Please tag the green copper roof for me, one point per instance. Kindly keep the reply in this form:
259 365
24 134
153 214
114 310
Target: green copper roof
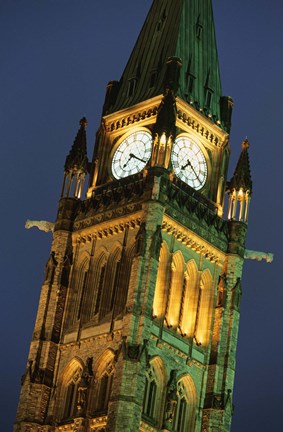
173 28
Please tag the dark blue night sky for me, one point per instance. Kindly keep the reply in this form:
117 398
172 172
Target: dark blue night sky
56 59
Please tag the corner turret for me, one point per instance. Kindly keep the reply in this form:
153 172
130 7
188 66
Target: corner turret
76 165
240 187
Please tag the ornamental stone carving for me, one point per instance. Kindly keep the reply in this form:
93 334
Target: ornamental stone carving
41 225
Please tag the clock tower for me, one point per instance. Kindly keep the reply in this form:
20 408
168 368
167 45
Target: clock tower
138 316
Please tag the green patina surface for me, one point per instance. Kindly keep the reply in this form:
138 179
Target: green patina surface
183 29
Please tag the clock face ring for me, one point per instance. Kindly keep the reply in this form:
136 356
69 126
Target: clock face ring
189 162
132 154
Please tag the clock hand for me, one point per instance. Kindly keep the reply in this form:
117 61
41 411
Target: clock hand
130 157
136 157
195 172
192 168
187 164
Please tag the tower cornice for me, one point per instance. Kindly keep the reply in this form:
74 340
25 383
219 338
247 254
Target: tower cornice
141 114
192 240
189 117
103 229
145 113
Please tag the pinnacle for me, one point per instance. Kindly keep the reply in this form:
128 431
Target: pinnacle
77 160
245 144
242 175
84 122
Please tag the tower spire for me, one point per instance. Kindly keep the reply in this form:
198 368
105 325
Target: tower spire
76 165
192 39
77 158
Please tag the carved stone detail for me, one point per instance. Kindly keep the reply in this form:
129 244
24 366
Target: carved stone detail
109 231
192 242
156 243
171 400
50 268
129 193
41 225
133 351
201 122
198 127
259 256
141 241
193 210
134 118
84 386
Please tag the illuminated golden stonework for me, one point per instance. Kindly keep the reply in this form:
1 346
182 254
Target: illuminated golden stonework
138 315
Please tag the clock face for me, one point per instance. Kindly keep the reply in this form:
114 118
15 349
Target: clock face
132 154
189 162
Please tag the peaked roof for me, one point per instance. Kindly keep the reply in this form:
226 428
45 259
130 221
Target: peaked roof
242 175
77 160
174 28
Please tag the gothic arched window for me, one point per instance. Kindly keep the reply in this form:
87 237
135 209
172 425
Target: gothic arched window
96 285
71 397
124 273
189 300
150 394
184 415
69 390
205 308
99 289
161 288
77 288
110 284
102 385
181 413
176 290
154 391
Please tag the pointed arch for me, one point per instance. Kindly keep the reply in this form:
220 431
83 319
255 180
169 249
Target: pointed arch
70 380
190 299
74 365
83 258
184 416
112 273
176 289
123 279
204 317
116 248
77 287
104 369
95 284
154 392
161 288
99 365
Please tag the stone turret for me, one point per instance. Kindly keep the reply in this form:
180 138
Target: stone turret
76 165
240 187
